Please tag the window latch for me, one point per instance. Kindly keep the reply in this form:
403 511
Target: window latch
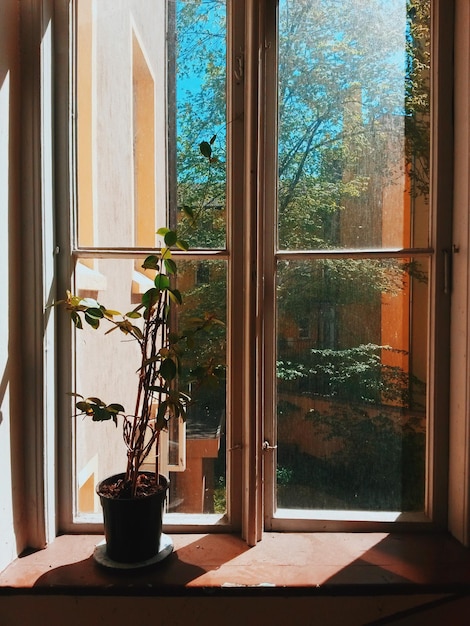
268 446
239 69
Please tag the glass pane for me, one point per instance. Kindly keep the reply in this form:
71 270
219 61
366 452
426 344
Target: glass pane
121 130
107 365
131 114
201 120
353 152
351 384
150 150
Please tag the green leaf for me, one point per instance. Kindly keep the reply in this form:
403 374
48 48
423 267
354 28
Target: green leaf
161 421
115 408
170 266
213 138
170 238
124 326
162 282
166 253
101 414
76 319
110 312
151 263
83 406
94 322
149 298
176 296
137 332
96 313
205 149
133 315
163 231
96 401
182 245
168 369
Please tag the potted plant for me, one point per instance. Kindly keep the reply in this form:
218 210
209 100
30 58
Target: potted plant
133 500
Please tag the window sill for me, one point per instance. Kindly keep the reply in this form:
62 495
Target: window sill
303 563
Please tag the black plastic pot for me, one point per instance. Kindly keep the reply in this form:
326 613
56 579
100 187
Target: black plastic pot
133 526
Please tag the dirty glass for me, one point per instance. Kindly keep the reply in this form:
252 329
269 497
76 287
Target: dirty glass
353 186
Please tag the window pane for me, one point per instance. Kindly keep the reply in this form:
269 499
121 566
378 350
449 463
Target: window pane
106 367
351 384
150 151
121 127
123 97
201 120
353 124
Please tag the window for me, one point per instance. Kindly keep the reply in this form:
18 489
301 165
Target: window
319 232
353 255
124 192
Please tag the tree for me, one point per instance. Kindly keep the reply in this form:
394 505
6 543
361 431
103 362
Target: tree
353 107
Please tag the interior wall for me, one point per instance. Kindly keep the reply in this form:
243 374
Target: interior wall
11 539
400 610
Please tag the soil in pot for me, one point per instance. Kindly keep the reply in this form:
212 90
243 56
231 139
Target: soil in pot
133 526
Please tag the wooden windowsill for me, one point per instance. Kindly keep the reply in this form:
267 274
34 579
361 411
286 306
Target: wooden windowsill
304 563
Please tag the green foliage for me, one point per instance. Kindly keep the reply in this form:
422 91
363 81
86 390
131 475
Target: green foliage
98 410
201 108
358 375
417 105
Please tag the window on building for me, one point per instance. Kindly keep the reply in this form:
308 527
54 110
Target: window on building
312 218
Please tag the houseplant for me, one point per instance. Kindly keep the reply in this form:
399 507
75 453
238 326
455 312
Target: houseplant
161 395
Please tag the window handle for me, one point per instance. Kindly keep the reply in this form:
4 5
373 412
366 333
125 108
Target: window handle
268 446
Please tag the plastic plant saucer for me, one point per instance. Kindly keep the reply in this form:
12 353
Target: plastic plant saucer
100 556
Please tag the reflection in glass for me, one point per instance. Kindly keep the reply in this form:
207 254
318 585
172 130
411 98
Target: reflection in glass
351 384
353 143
